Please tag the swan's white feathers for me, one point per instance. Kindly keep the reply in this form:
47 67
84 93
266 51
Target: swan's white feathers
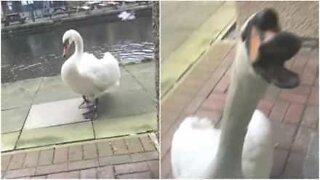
195 144
193 139
257 156
104 73
195 122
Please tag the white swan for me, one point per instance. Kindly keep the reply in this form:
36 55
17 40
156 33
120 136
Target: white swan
87 75
236 151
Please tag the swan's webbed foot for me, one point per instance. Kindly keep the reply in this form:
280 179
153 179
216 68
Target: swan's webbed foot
92 112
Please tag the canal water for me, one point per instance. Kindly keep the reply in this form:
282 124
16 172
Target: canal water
40 54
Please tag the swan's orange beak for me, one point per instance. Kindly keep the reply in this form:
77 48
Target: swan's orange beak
66 47
65 51
255 42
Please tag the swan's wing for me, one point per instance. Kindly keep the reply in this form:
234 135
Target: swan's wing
257 156
193 148
103 73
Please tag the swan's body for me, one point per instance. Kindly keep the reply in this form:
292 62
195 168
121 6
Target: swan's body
243 148
202 140
87 75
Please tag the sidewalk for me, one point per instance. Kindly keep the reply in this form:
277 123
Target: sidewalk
183 43
122 158
294 113
43 113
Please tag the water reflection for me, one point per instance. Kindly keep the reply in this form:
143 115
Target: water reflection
39 54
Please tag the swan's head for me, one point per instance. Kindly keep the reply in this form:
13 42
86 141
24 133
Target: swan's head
68 38
268 48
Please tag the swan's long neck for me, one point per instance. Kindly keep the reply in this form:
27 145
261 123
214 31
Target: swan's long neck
78 44
245 90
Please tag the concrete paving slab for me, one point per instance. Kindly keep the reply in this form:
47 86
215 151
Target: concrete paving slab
8 141
126 100
54 113
19 93
127 82
124 103
53 89
54 135
125 125
145 74
13 119
148 83
188 53
174 15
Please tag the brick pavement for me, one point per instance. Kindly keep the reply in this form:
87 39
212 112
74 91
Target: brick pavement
124 157
294 112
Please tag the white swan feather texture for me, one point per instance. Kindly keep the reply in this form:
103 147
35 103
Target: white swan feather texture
87 75
195 144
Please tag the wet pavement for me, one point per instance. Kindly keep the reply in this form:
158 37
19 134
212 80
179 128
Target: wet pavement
44 111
